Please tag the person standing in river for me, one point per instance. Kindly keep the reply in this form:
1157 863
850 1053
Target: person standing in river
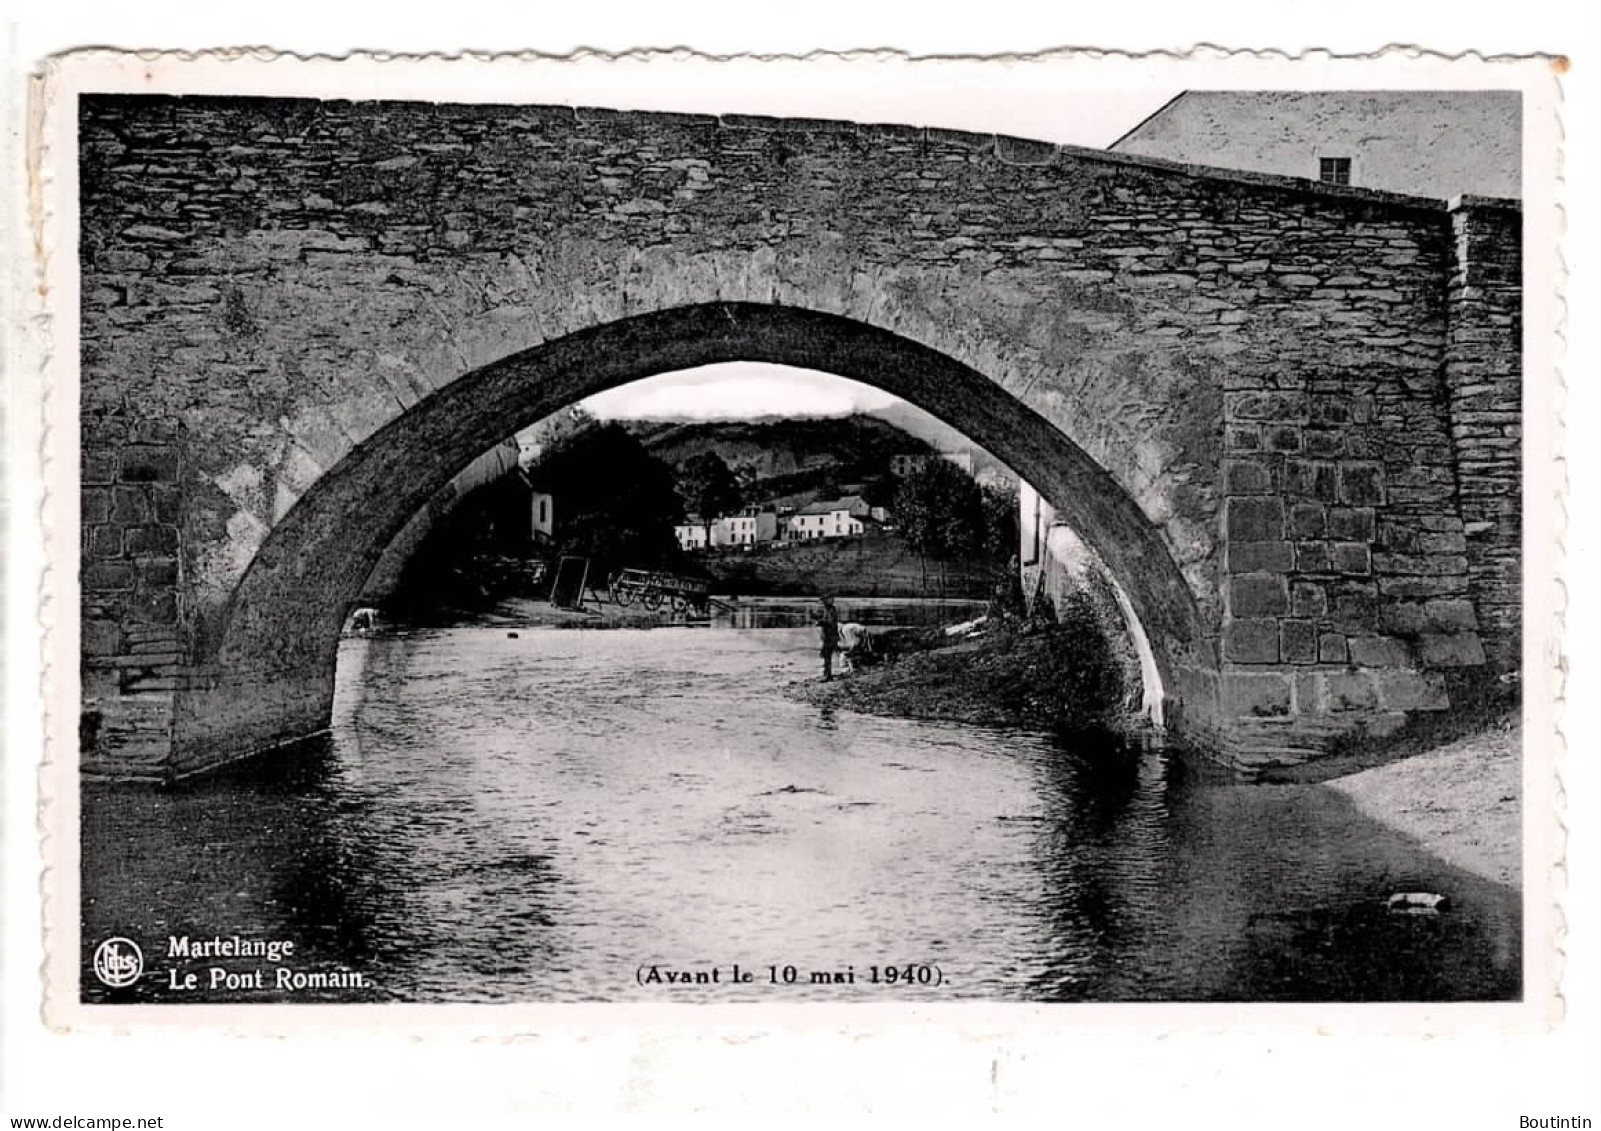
828 629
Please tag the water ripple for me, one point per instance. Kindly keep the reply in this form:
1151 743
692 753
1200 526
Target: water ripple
533 818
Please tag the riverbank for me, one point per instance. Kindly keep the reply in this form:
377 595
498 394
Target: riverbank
1002 678
1460 801
1458 796
530 613
876 565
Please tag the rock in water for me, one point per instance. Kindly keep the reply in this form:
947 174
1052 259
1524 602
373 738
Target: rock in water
1416 901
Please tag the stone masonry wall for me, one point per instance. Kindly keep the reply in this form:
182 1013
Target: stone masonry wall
1484 378
319 301
131 508
1347 589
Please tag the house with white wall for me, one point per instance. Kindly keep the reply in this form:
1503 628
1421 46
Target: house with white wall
542 507
830 518
1437 143
752 526
691 533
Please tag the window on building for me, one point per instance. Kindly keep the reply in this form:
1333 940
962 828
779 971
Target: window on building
1334 170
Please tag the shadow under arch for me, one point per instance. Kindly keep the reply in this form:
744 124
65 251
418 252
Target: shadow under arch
284 616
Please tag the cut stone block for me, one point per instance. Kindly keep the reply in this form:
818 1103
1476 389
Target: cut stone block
1258 595
1457 650
1361 484
1255 519
1351 558
1247 477
1298 642
1355 524
1378 652
1308 520
1255 557
1260 695
1349 692
1412 691
1251 641
1308 599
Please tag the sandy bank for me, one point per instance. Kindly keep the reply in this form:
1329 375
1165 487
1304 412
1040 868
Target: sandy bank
1461 801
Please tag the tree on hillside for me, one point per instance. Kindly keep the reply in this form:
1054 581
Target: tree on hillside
551 432
1001 532
707 487
879 490
828 485
617 503
940 513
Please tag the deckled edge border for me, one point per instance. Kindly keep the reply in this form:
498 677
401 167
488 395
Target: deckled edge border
42 342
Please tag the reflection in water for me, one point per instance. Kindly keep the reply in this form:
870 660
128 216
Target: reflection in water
533 819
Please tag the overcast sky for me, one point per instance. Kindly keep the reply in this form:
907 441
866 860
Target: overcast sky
745 389
738 389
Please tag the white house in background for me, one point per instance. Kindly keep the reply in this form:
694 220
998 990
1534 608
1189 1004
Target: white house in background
1438 143
830 518
750 527
542 506
691 533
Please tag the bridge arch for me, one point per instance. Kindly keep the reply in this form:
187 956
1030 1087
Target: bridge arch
1271 405
291 601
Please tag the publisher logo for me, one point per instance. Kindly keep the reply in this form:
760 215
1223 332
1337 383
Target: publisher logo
118 962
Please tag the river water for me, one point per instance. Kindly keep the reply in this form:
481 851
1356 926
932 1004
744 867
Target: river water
546 815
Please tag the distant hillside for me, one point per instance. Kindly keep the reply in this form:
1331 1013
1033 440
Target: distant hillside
784 455
938 435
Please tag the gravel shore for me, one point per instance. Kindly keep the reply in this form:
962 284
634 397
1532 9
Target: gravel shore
1461 801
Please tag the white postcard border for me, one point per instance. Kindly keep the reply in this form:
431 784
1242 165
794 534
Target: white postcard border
637 85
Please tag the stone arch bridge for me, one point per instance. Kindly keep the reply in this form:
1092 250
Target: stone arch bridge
1284 414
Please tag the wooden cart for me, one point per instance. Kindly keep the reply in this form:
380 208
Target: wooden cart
655 588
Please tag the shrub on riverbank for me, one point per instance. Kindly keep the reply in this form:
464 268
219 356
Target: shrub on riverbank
1062 677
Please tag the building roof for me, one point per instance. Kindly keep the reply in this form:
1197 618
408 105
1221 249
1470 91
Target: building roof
1154 114
829 506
